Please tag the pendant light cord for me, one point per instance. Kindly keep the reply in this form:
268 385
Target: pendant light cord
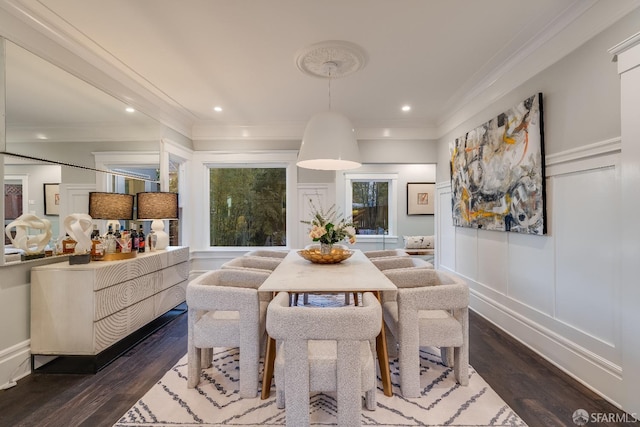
329 90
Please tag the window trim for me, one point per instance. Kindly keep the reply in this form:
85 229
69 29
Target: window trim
392 179
283 159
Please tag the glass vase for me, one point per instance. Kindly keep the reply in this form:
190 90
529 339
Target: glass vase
325 248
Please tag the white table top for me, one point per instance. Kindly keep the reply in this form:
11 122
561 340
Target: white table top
355 274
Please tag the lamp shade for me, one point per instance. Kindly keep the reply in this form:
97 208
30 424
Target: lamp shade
157 205
110 205
329 143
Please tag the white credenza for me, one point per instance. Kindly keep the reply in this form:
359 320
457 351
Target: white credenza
86 309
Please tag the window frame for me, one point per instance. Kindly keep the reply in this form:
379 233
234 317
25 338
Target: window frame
392 180
285 160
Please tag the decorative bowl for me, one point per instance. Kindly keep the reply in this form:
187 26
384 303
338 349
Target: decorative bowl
336 255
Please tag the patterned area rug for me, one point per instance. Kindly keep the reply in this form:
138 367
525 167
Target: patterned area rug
215 402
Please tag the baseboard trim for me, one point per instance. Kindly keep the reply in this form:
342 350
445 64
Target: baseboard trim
14 363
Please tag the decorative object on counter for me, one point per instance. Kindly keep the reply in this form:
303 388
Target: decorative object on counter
32 245
157 206
315 254
79 227
328 229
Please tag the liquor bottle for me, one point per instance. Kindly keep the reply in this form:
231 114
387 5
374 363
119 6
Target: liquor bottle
68 245
125 241
135 244
117 236
95 233
110 241
97 247
141 240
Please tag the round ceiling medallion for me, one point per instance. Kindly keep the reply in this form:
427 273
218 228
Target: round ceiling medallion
333 58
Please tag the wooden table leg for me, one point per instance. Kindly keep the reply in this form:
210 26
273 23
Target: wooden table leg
267 372
383 356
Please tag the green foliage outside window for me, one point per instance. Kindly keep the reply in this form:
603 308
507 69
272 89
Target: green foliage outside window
247 206
370 206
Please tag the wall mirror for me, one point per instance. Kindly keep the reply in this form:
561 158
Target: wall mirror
55 123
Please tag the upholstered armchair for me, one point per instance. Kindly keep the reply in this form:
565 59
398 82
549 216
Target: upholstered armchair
321 350
268 253
225 310
252 263
386 253
390 263
430 309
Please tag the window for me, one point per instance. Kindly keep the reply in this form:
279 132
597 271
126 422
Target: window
372 198
247 206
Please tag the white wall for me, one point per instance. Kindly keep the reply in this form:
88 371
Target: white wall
560 293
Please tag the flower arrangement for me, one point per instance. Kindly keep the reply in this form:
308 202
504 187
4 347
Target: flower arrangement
327 228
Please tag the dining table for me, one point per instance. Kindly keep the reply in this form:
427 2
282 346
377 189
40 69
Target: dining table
354 274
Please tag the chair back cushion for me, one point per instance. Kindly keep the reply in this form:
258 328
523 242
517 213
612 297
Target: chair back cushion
421 277
324 323
252 262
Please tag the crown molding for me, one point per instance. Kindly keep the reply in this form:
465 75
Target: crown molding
294 131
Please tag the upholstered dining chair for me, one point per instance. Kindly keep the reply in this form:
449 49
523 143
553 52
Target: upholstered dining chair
324 350
389 263
252 263
225 310
386 253
430 309
268 253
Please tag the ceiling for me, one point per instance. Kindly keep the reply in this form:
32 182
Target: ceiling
240 55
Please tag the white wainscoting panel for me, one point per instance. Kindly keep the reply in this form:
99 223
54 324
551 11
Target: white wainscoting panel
587 258
445 231
531 271
493 258
467 252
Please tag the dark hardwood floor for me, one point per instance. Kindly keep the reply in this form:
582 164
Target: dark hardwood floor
540 393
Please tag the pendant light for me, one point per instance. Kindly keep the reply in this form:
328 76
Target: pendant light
329 141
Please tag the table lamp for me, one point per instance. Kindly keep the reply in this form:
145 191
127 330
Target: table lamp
158 206
111 206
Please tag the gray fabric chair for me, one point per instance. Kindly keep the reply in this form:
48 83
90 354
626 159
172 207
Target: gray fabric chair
386 253
430 309
389 263
225 310
252 263
323 350
267 253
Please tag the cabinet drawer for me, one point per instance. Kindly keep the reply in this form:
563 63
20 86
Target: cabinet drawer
113 328
115 298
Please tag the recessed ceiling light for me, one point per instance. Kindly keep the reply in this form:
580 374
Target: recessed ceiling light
406 108
217 109
130 110
41 136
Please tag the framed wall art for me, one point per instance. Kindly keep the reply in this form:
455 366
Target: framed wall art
420 198
497 172
51 199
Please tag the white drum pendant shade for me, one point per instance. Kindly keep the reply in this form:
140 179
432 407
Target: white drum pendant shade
329 143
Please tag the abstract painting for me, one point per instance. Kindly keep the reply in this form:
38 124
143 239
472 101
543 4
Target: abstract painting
497 172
